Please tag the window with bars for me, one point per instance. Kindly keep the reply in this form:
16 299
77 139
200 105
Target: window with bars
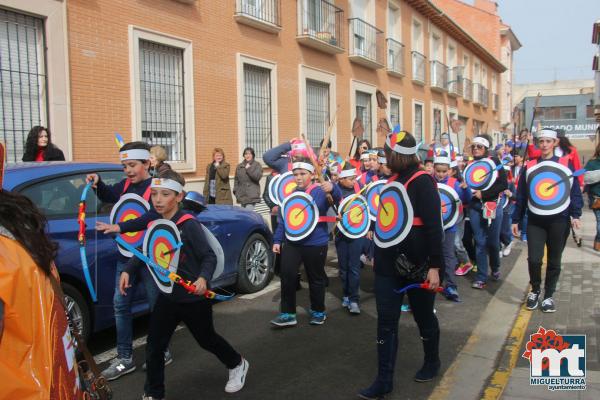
363 112
437 123
395 112
257 108
162 98
23 103
317 110
418 114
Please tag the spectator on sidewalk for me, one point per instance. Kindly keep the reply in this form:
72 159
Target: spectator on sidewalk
592 178
216 187
246 187
158 156
39 146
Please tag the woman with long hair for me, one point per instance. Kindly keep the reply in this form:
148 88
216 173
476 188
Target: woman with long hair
216 186
39 146
420 256
566 148
592 180
363 145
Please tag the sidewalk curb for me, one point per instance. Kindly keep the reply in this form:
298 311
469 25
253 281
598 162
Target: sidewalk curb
469 375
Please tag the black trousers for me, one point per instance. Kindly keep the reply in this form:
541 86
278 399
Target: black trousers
314 258
551 233
165 317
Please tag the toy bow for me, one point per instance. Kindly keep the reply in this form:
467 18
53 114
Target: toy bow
175 278
81 239
424 285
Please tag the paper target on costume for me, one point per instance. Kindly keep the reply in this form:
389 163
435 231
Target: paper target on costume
372 196
130 206
549 186
505 201
216 247
450 205
394 216
272 189
162 244
481 174
286 185
355 220
300 215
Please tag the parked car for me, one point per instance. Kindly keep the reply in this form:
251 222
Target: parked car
56 187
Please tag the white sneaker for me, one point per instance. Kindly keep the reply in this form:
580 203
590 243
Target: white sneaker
507 249
237 377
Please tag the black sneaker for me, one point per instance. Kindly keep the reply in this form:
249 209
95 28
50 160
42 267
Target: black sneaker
548 305
532 300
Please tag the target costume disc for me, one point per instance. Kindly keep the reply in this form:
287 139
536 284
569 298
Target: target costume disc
162 246
481 174
129 207
355 220
549 186
394 216
450 205
372 196
272 189
300 214
286 185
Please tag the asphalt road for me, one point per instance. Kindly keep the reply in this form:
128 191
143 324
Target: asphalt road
332 361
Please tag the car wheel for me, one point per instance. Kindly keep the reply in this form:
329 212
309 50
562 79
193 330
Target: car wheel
255 267
77 310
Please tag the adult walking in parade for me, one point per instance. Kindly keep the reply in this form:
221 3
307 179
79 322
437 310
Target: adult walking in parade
552 210
39 146
399 262
246 187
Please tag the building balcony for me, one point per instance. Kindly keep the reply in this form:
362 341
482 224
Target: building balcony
495 101
439 76
484 96
477 94
467 89
260 14
366 44
418 68
455 81
320 26
395 57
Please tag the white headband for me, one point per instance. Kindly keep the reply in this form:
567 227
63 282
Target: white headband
382 160
547 133
397 148
167 184
303 165
134 154
298 146
442 160
347 173
482 141
364 156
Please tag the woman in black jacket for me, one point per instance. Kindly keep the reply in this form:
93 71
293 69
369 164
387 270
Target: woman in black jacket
39 147
422 249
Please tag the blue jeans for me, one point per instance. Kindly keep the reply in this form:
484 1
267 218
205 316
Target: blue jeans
348 252
487 242
597 214
506 232
122 306
459 247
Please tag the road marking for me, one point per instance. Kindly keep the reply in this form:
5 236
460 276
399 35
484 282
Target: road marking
112 353
274 285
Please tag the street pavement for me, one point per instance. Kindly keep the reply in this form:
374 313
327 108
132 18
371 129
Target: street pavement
482 339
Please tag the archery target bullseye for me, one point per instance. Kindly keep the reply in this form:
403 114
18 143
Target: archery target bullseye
394 216
300 214
162 246
549 187
130 206
286 185
355 218
481 174
450 205
372 196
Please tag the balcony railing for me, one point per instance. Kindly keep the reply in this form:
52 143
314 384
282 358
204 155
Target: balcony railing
455 80
418 67
495 101
467 89
261 14
395 57
366 44
477 94
439 75
320 25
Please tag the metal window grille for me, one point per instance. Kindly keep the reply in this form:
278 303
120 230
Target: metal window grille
317 110
257 107
363 112
418 122
162 98
437 123
395 112
23 102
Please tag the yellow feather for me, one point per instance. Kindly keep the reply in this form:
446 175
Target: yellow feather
400 136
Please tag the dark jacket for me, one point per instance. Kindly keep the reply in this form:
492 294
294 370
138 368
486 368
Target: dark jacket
52 153
222 187
159 169
246 186
277 158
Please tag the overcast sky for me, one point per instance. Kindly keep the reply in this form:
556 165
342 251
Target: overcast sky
556 37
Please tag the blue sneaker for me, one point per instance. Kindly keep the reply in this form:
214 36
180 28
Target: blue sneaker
405 308
317 318
451 294
284 320
345 302
524 237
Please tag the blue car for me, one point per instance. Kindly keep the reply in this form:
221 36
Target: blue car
56 188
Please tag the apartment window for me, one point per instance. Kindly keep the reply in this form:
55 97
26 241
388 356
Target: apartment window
437 122
476 72
550 113
23 103
394 30
317 110
257 108
477 127
494 83
467 67
484 81
417 36
589 111
418 121
363 111
395 112
451 56
436 47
